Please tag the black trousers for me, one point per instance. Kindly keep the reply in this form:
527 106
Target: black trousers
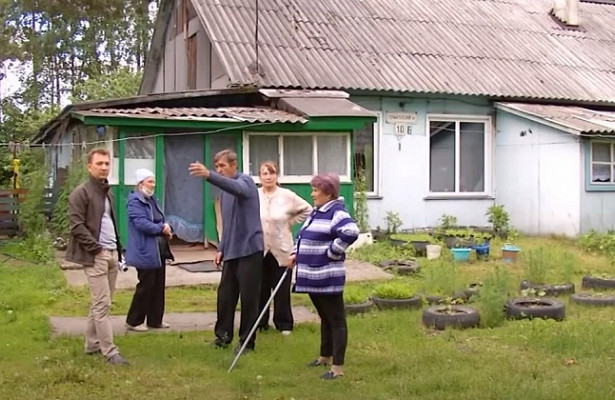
241 278
333 328
148 300
282 311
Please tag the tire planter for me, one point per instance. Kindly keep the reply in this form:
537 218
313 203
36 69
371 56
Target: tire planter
436 299
402 267
550 290
595 282
593 299
389 304
361 308
456 316
530 308
398 242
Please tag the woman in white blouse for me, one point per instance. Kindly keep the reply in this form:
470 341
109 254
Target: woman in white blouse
280 210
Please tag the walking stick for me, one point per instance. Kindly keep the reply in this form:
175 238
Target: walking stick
258 320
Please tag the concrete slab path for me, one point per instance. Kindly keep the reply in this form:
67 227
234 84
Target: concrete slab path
180 322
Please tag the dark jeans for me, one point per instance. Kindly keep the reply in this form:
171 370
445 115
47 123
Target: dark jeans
148 300
282 312
241 277
333 329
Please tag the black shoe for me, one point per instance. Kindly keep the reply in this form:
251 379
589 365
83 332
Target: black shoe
263 328
316 363
329 375
220 344
245 351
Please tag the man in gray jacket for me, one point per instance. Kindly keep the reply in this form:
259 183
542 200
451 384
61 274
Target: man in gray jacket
240 250
95 244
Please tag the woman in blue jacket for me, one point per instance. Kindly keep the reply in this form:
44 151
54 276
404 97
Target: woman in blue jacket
147 251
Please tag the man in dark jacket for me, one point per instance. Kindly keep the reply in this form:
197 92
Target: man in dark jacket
95 244
240 248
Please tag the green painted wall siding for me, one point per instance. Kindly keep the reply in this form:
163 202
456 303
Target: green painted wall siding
121 191
304 190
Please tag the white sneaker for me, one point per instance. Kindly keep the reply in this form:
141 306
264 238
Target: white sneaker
286 333
138 328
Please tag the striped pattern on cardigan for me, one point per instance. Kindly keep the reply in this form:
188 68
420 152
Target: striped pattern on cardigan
321 249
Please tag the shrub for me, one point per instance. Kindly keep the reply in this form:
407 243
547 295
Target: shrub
59 222
536 265
441 278
492 297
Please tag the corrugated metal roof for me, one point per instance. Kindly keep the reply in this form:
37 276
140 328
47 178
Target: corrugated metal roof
576 120
243 114
495 48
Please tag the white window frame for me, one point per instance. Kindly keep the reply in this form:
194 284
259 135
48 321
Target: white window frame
592 162
488 151
295 178
377 129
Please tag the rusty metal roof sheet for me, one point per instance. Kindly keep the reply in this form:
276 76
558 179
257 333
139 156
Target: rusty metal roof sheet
495 48
576 120
239 114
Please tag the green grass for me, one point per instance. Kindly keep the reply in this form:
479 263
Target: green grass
390 354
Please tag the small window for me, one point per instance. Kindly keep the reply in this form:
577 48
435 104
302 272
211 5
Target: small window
299 157
602 163
459 162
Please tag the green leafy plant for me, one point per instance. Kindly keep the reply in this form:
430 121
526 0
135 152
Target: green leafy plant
355 294
393 221
360 203
381 251
393 290
413 237
447 221
499 219
536 265
492 297
31 217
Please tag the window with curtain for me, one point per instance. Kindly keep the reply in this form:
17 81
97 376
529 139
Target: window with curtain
138 153
458 163
299 157
602 163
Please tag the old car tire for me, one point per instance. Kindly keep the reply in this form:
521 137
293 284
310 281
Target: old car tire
361 308
521 308
593 299
463 317
595 282
402 267
388 304
550 290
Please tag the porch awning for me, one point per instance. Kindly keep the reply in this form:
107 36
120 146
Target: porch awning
571 119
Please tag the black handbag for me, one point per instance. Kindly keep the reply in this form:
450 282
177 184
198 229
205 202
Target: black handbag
165 249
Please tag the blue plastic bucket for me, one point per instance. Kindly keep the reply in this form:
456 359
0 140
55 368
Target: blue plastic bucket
461 254
482 251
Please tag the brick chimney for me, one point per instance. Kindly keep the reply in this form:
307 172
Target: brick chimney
567 11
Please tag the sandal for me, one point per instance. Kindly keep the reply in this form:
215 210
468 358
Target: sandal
316 363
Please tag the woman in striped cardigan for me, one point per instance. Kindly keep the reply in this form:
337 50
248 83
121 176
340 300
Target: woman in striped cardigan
319 258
